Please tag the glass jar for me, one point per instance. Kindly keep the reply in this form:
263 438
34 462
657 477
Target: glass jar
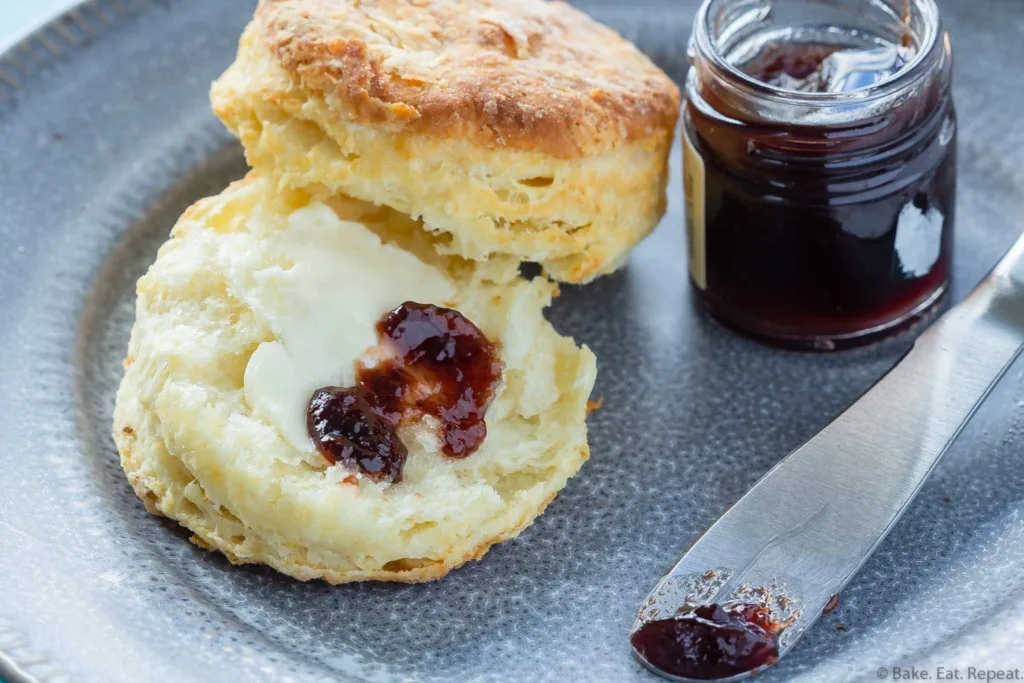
819 166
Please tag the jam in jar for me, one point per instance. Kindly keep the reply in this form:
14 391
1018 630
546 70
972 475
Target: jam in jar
819 166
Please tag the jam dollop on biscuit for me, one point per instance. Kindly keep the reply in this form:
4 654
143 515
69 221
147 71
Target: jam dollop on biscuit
436 362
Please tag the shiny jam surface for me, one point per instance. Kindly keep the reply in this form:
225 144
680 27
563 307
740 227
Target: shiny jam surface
434 362
710 641
811 67
347 426
821 237
791 65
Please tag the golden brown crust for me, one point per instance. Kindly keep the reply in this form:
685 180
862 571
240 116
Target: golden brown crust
523 74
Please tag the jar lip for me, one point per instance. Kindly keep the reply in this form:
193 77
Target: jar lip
912 72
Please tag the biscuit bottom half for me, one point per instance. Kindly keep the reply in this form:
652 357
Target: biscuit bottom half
260 295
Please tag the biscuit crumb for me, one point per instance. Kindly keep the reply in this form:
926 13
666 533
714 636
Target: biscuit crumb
350 480
595 405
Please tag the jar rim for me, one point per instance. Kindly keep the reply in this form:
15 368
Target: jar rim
912 72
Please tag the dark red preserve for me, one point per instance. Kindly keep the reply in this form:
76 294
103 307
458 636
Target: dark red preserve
434 362
710 641
820 169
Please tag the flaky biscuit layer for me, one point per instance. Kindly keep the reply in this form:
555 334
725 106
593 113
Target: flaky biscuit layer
195 451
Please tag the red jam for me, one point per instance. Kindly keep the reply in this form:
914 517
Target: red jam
347 426
821 182
710 641
806 67
832 605
436 362
785 65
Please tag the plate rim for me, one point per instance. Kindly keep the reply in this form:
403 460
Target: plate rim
58 43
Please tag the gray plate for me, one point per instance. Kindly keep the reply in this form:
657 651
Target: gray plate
106 135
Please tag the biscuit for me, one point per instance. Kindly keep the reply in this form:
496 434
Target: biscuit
207 436
519 127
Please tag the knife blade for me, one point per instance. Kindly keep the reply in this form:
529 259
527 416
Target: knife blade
801 533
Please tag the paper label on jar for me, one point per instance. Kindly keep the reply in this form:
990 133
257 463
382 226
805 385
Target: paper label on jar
693 187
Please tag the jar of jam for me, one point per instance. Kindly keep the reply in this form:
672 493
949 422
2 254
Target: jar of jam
819 166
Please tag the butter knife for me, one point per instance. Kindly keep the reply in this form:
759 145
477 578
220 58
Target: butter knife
799 535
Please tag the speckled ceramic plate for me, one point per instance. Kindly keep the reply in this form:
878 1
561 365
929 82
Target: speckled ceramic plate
106 135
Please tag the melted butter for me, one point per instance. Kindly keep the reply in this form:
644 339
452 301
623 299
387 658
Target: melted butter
322 309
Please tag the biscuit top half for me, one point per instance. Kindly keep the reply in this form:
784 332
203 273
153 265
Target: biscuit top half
525 74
